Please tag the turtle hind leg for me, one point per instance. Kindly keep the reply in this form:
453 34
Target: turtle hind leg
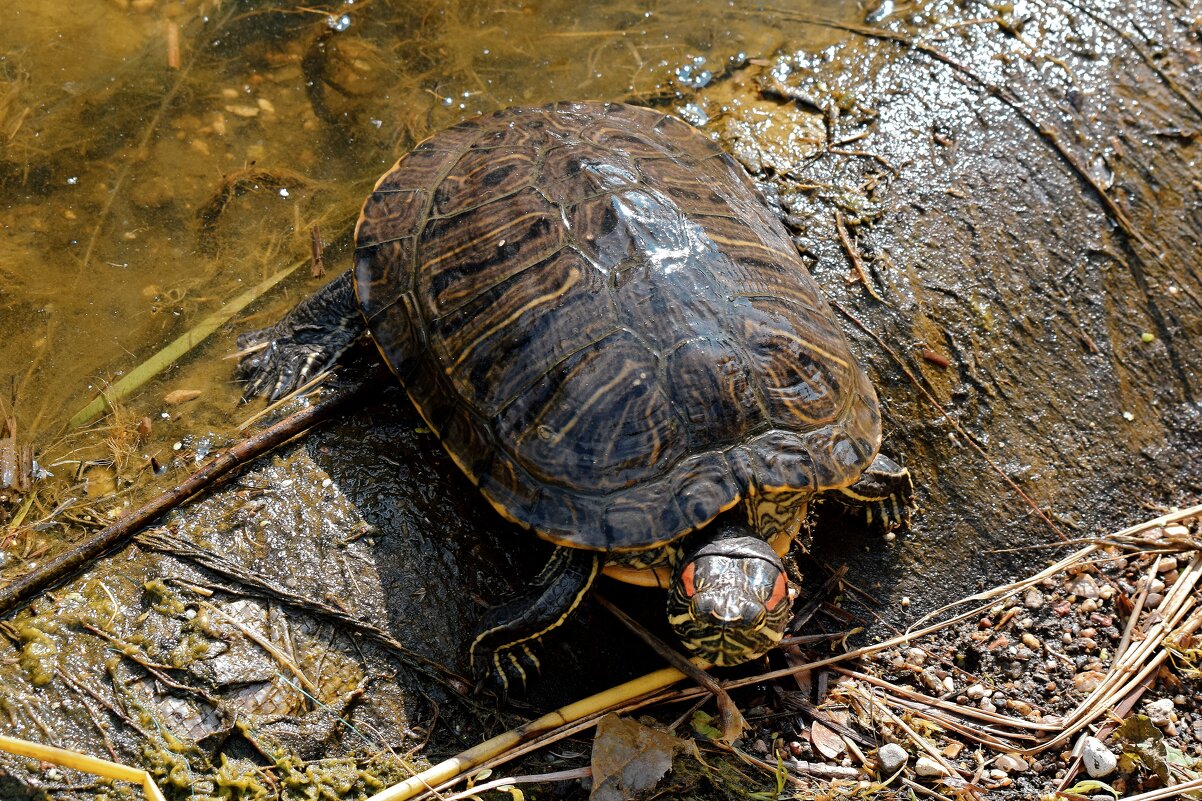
306 341
884 493
503 652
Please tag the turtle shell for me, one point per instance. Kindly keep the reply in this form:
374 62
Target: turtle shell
611 334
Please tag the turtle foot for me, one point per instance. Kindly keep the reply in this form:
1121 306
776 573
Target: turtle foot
502 654
309 339
508 669
275 364
884 494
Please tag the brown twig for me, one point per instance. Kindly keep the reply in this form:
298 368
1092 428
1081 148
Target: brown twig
61 566
853 255
317 265
733 723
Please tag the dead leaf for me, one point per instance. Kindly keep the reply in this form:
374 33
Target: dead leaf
629 758
826 741
181 396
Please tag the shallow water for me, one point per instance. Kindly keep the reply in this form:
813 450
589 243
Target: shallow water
148 183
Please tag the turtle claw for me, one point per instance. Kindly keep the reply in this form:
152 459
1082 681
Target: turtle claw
277 364
309 339
506 669
884 494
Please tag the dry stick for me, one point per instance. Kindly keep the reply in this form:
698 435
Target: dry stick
509 781
61 566
1133 623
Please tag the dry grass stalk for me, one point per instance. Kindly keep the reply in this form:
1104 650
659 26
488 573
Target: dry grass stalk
84 763
505 744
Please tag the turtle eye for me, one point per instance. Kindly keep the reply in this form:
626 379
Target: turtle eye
686 580
780 591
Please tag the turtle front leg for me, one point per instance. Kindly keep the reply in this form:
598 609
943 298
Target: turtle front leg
308 340
885 493
503 651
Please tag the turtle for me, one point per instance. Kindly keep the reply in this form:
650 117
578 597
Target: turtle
615 339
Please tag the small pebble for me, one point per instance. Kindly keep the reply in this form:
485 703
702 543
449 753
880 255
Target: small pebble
1096 757
1176 531
1085 587
1032 642
1011 763
925 766
1089 605
1033 599
1167 563
916 656
1153 600
976 692
892 758
243 111
997 775
1159 712
1088 680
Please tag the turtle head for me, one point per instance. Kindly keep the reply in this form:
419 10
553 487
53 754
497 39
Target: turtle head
729 600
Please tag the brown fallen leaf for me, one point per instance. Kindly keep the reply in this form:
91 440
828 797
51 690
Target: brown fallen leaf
826 741
630 758
179 396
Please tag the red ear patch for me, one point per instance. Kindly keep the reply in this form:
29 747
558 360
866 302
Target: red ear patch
780 592
686 580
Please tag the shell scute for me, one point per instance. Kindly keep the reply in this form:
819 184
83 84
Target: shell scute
597 420
510 335
388 215
482 177
803 372
714 391
383 272
466 254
